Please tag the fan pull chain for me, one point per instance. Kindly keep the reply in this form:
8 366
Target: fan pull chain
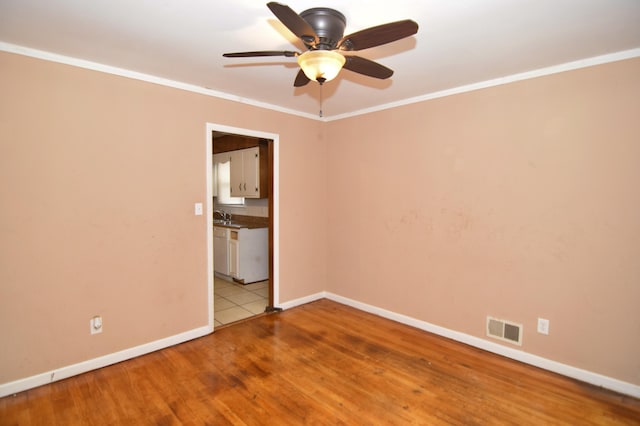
321 101
320 81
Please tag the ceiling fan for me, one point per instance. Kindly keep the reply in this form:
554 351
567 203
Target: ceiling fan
321 30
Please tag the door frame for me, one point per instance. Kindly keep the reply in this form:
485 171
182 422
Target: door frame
274 211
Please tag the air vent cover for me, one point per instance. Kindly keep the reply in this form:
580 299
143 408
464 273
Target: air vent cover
504 330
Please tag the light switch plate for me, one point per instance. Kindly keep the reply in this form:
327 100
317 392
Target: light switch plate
95 325
198 209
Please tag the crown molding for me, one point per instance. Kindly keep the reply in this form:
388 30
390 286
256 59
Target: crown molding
108 69
555 69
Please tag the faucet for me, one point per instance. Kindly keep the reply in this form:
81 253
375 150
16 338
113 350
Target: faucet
225 216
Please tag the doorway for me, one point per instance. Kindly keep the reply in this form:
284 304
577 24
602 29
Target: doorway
231 297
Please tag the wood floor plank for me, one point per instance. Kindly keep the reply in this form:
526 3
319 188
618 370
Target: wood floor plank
320 363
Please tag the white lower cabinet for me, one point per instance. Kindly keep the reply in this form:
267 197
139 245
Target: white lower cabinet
234 267
249 254
221 250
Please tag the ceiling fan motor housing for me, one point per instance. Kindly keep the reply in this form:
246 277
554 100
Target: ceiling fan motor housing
321 29
329 25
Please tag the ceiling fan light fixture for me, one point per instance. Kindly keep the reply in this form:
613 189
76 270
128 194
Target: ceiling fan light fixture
321 64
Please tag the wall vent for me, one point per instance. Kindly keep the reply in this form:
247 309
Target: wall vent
504 330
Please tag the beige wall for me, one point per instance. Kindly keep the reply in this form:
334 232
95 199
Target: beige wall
98 179
519 201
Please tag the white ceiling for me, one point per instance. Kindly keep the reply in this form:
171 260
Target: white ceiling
460 42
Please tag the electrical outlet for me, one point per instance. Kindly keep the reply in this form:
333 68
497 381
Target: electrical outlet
95 324
543 326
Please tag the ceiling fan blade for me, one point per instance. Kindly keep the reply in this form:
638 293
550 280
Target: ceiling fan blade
376 36
301 79
367 67
294 22
287 53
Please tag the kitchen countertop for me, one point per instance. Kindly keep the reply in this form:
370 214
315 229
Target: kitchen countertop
238 222
237 225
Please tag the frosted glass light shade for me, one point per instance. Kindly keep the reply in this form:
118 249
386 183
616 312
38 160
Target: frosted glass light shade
323 64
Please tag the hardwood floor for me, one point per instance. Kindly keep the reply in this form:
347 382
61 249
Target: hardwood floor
321 363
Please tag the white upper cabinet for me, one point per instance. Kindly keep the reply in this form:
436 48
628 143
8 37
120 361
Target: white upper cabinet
220 179
246 173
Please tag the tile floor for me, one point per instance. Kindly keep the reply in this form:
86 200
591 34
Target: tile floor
234 302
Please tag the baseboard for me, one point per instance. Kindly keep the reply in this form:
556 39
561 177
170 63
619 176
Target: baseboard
518 355
11 388
303 300
51 376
